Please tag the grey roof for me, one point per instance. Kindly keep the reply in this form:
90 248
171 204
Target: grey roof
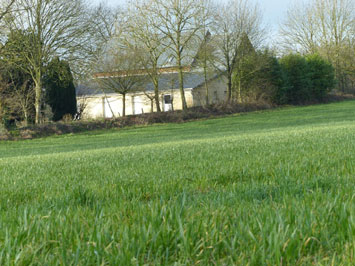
87 88
170 81
167 81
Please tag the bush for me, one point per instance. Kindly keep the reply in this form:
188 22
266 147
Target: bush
67 118
299 79
322 76
309 79
62 127
3 130
5 125
278 79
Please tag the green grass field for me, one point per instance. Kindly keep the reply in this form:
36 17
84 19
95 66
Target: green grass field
267 188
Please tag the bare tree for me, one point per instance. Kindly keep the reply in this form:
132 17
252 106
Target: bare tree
5 7
179 21
206 57
104 24
245 65
326 27
22 99
147 37
55 28
17 98
236 18
17 90
151 99
206 60
82 105
299 31
121 74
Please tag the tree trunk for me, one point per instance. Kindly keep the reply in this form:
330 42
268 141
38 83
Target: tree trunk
38 96
152 105
239 94
181 86
25 113
123 105
156 95
229 87
1 113
109 106
206 87
181 81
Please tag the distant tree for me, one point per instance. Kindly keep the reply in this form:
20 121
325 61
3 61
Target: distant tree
322 76
206 59
121 73
309 78
104 24
55 28
179 21
325 27
20 88
144 33
3 97
60 89
19 96
299 78
247 64
278 81
258 76
236 18
5 8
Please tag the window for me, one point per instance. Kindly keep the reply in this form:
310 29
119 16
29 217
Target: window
167 99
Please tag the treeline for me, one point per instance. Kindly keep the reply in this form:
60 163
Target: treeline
41 42
17 93
46 46
292 79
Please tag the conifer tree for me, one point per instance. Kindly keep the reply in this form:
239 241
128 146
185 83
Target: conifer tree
60 89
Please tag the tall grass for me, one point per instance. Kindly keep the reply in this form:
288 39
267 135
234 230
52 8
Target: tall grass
270 188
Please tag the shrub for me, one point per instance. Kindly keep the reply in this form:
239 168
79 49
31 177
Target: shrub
67 118
279 82
2 129
299 79
322 76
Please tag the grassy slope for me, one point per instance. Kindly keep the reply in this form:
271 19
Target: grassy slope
266 188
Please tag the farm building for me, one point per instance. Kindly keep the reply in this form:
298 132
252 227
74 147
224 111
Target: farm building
98 103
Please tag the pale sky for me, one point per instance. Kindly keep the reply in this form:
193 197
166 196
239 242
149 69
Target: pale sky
274 11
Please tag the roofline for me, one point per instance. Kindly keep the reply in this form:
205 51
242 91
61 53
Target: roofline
161 70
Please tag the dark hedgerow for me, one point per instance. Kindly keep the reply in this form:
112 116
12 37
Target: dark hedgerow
60 89
299 79
308 79
322 75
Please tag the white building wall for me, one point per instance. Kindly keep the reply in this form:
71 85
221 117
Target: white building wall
110 105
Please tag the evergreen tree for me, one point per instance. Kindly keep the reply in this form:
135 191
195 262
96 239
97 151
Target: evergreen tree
18 97
60 89
297 70
279 81
322 74
245 67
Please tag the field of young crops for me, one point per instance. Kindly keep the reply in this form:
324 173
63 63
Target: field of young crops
268 188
